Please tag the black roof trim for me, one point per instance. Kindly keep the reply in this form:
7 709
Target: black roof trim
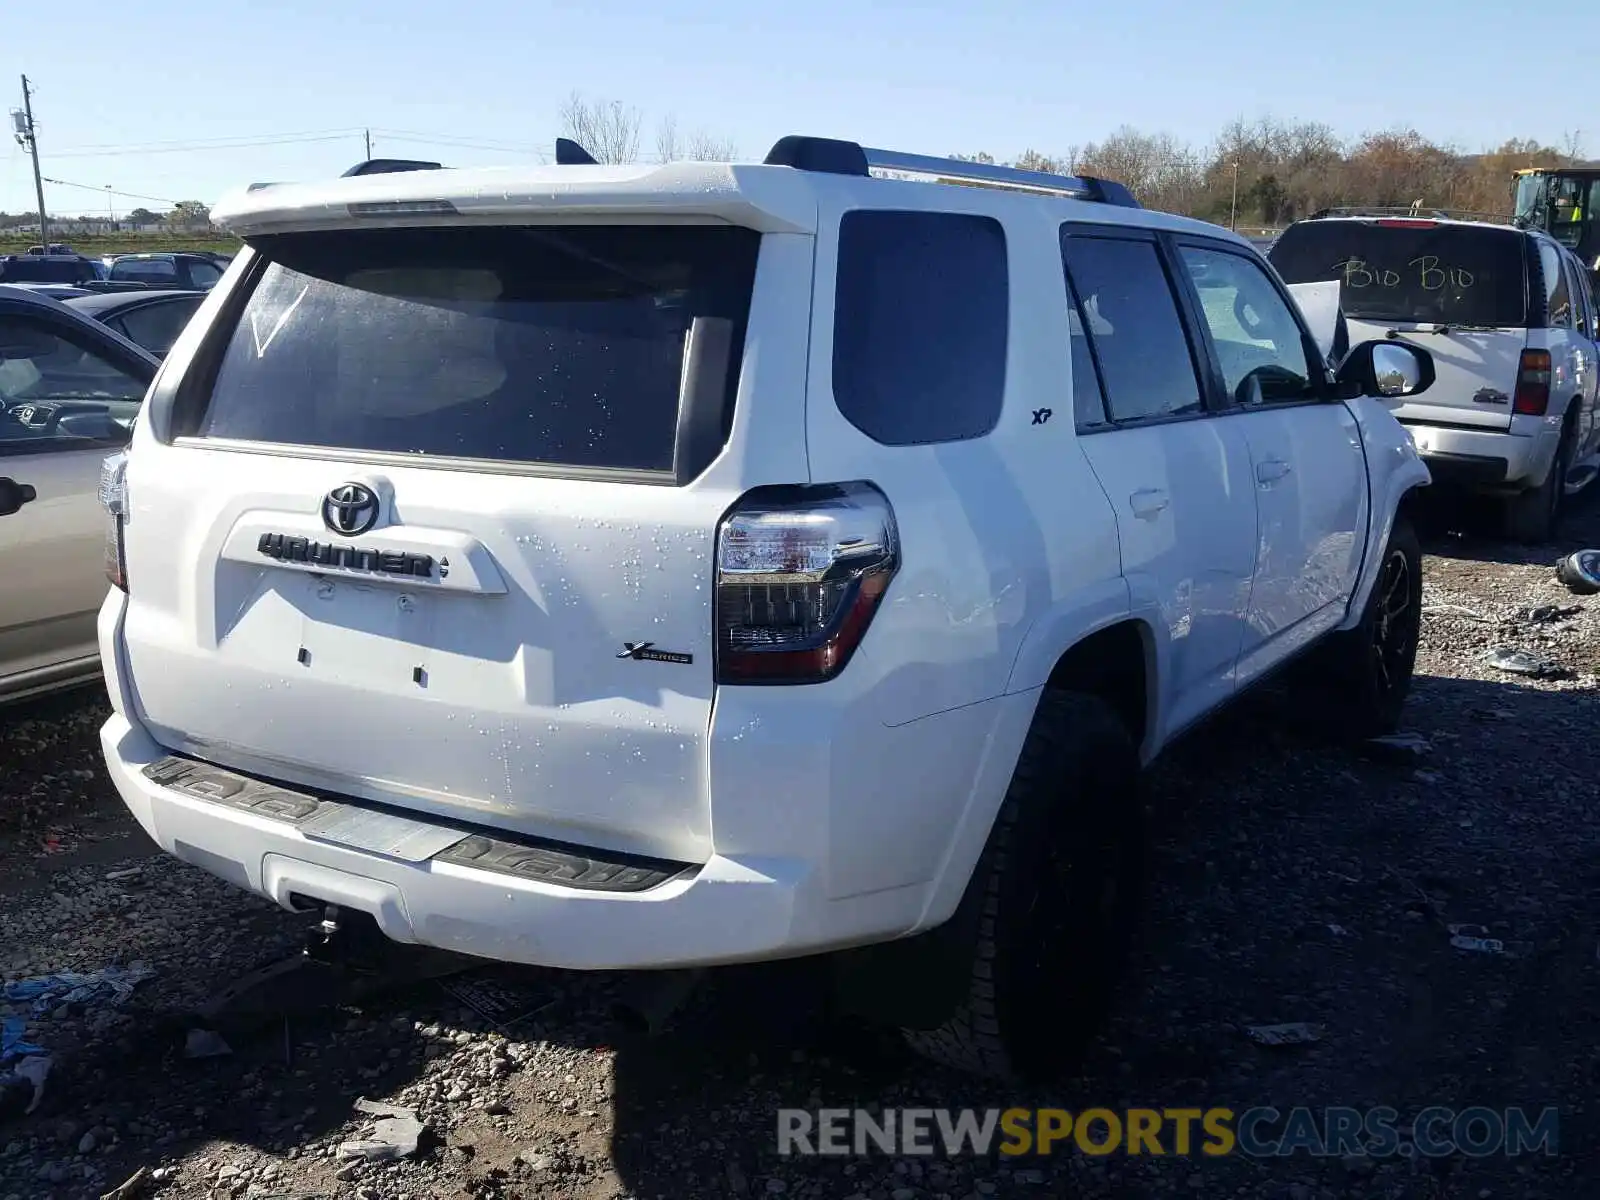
837 157
827 155
385 166
570 154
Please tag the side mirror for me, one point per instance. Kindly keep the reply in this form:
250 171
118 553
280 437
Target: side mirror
1386 369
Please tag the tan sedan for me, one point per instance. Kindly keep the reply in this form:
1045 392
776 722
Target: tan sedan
69 391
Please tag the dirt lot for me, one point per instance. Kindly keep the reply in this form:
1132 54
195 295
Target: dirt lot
1295 880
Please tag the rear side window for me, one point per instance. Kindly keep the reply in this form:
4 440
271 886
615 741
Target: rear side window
561 347
1133 322
921 312
1412 271
157 326
203 274
1557 295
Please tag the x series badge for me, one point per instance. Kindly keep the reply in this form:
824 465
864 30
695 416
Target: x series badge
647 652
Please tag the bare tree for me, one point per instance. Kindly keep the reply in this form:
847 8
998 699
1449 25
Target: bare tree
672 146
1032 160
705 147
669 147
607 129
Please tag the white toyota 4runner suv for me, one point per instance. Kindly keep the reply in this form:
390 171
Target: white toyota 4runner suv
661 567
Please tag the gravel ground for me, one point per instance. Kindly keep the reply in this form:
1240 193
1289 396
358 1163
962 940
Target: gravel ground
1295 879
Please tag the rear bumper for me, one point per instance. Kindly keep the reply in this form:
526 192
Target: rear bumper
1491 460
832 831
729 911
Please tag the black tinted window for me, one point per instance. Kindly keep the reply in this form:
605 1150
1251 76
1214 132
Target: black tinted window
37 269
1088 403
1408 271
527 344
1557 295
203 274
144 270
1133 320
921 311
157 326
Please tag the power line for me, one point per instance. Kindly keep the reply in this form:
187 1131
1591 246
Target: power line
144 150
198 143
89 187
446 139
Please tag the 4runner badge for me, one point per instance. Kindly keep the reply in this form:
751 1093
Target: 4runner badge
647 652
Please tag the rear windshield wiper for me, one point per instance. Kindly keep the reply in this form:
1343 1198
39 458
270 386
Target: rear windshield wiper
1445 328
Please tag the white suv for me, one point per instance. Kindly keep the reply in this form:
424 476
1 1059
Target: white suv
647 567
1509 317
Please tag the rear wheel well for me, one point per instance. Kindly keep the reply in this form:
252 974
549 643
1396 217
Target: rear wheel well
1113 664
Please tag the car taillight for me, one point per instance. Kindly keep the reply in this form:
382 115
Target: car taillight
114 499
1533 384
1405 223
800 571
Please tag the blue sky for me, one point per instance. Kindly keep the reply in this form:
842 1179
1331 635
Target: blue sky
934 78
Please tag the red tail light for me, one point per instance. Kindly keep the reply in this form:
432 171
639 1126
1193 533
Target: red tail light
1405 223
1533 384
800 574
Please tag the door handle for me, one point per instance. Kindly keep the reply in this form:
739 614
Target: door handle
1271 469
1147 503
14 495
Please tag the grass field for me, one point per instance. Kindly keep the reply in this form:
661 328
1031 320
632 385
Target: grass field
95 245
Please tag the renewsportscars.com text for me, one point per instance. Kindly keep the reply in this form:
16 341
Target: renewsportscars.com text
1262 1132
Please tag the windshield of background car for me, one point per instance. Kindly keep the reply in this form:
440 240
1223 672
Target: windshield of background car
37 269
1528 203
1412 271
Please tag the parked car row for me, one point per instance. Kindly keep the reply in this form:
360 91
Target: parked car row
188 270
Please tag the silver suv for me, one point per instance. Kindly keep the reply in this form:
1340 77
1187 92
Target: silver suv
1510 320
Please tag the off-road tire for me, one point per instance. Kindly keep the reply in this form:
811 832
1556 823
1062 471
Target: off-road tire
1365 673
1531 516
1053 935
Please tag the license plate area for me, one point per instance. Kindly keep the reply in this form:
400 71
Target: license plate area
362 632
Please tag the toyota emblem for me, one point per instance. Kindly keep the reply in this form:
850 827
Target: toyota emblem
350 509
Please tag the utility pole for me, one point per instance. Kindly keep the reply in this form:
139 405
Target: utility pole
369 143
27 136
1233 210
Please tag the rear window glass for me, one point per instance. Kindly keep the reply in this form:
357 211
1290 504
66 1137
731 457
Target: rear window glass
541 345
1448 274
36 269
148 268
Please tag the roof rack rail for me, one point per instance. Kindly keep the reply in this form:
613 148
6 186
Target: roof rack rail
384 166
1415 211
835 157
